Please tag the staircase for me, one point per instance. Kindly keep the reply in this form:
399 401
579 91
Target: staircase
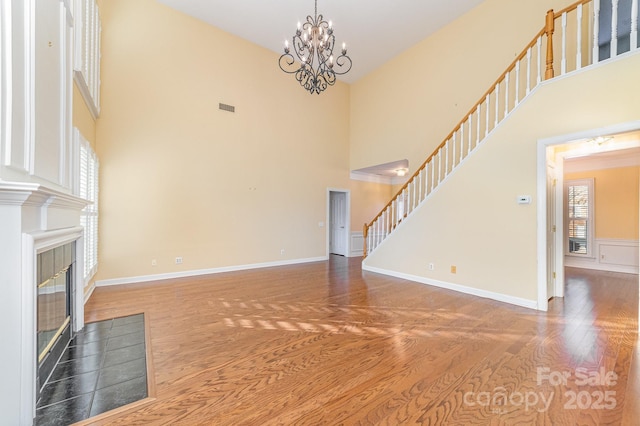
574 36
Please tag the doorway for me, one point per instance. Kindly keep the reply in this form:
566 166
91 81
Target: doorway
626 135
338 222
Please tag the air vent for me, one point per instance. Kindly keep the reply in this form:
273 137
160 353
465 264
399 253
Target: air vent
226 107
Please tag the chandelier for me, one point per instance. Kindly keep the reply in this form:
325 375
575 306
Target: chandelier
313 45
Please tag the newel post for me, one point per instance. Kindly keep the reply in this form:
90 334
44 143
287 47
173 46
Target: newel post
365 231
548 29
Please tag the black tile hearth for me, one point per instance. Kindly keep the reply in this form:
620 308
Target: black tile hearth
104 367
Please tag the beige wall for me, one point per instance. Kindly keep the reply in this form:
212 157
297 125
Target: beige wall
616 201
367 199
406 108
82 118
179 177
473 221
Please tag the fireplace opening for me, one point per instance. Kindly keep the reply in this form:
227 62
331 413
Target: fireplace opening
55 274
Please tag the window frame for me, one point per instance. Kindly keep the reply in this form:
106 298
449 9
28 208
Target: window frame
87 188
590 234
88 31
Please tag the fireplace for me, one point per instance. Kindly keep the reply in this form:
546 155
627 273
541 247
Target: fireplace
55 279
41 260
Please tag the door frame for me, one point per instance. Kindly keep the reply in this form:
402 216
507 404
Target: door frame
347 236
541 212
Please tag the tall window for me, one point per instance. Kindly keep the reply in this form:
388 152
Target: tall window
88 189
87 55
579 212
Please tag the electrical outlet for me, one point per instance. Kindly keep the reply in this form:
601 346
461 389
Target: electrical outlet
178 260
431 267
281 251
454 269
154 262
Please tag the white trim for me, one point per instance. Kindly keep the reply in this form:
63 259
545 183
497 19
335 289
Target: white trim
600 163
32 244
62 86
24 193
371 178
589 183
89 291
28 363
512 300
599 263
198 272
348 220
559 241
356 244
541 252
83 88
6 85
594 265
29 87
86 65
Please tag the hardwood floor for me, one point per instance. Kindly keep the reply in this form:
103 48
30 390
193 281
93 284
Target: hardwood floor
325 343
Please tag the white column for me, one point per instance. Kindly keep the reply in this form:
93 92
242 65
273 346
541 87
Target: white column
563 61
517 97
614 29
506 94
469 136
579 37
528 70
596 31
486 129
462 137
479 109
495 122
634 24
538 44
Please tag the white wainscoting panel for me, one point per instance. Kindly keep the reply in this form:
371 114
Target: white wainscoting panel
356 245
609 255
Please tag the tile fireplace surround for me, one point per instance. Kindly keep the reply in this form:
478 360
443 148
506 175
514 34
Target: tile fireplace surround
33 219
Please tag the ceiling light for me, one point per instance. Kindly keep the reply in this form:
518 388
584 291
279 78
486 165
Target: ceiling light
313 45
401 172
600 140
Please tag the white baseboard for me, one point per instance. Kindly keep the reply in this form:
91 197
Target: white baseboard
89 292
590 264
197 272
518 301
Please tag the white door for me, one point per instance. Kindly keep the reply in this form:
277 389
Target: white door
551 231
338 223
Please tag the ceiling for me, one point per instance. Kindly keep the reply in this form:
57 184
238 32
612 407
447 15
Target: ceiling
620 150
374 30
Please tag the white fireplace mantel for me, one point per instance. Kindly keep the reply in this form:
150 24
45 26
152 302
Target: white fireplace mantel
33 218
49 202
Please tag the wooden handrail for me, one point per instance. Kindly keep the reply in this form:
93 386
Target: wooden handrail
570 8
460 123
547 30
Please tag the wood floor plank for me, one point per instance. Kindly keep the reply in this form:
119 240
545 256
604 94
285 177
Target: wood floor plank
326 343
